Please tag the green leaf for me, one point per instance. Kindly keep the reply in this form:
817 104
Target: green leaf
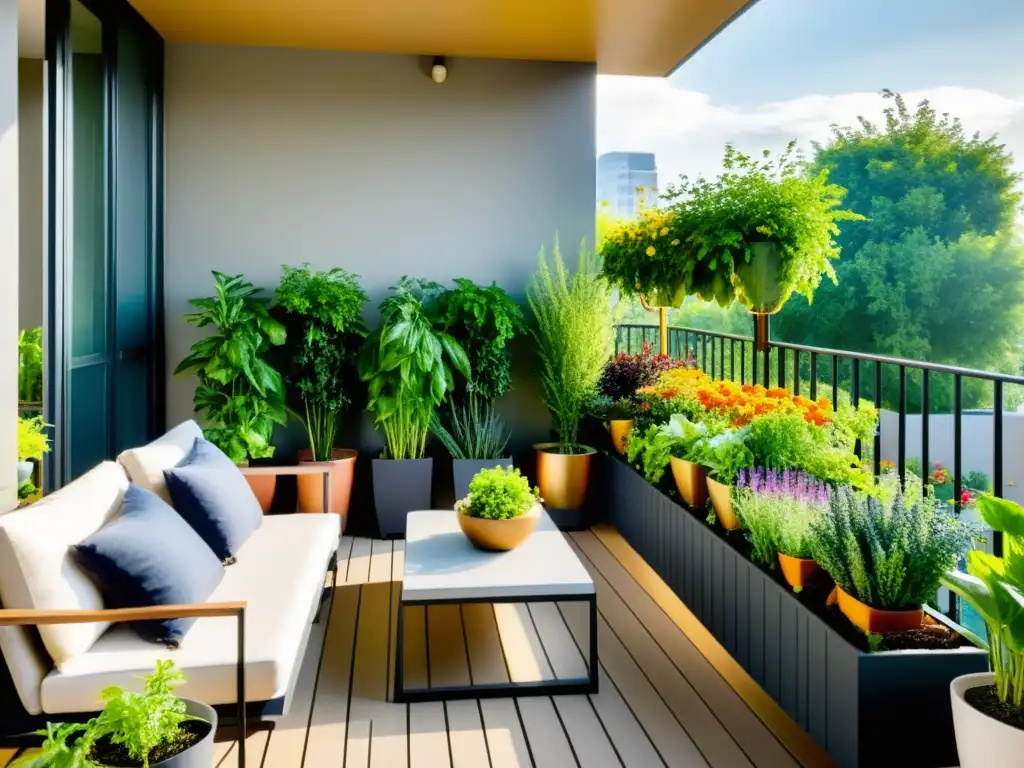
1002 515
976 593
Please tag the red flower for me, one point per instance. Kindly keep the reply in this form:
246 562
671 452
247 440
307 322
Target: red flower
965 498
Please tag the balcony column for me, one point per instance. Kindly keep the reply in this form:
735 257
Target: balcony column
8 253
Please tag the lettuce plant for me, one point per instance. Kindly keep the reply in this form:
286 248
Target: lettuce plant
724 454
653 449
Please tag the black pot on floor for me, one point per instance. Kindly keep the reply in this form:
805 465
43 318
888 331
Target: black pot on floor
400 486
199 755
465 469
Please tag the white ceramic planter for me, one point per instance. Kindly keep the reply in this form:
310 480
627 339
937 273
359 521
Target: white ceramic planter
981 741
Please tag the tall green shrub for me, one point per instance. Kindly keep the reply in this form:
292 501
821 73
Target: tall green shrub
30 366
573 332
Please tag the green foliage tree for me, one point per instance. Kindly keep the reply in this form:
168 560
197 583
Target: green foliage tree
937 271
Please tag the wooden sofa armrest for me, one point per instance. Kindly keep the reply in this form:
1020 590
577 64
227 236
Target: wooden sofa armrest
18 617
297 469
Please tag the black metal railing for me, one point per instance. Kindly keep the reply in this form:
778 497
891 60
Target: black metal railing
898 385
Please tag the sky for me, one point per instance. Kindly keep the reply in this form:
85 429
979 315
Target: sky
788 69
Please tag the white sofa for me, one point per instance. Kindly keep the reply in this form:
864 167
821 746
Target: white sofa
279 574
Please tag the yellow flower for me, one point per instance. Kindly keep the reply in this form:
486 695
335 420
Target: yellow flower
650 250
676 241
664 231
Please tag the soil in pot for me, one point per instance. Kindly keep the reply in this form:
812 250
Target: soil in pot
935 637
116 756
985 699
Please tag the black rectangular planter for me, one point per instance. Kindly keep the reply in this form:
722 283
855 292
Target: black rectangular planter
463 471
400 487
867 710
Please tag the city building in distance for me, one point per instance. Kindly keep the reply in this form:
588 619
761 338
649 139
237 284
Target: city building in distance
627 181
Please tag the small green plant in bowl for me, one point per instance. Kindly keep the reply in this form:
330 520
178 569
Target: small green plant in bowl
501 509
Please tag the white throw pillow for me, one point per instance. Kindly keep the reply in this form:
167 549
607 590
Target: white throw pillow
36 568
146 464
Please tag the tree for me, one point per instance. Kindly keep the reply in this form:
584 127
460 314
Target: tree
937 272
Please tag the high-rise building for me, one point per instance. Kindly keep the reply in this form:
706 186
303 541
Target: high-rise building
627 181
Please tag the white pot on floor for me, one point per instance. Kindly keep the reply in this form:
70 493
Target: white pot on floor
981 741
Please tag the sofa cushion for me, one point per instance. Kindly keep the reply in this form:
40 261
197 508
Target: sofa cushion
36 568
280 575
213 496
145 465
146 556
27 662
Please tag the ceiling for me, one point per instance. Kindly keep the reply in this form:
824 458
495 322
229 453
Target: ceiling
624 37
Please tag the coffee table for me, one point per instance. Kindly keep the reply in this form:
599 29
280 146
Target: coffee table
442 567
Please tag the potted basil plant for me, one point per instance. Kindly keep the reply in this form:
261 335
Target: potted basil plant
408 365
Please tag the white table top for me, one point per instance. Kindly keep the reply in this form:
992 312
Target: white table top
441 565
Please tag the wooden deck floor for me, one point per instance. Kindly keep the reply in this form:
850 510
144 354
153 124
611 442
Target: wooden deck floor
667 697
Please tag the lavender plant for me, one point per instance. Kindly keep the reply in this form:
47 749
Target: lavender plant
777 510
889 554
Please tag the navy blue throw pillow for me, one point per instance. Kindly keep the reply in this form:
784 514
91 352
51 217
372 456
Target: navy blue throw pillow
214 498
149 556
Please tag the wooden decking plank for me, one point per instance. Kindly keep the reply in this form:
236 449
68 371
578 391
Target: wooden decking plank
466 735
449 665
380 560
559 647
716 744
586 733
390 743
626 728
369 672
398 561
521 644
416 674
225 753
506 742
486 660
288 738
344 551
6 755
752 735
544 733
358 571
329 719
428 738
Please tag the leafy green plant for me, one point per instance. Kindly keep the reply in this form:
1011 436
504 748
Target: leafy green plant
724 454
890 556
30 366
408 365
498 494
703 239
483 319
653 449
474 430
239 393
32 439
323 313
994 587
147 726
573 334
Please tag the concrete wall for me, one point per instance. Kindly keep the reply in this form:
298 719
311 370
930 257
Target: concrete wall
8 253
30 151
361 161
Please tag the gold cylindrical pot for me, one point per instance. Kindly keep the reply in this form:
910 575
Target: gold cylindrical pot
563 477
720 500
620 429
691 482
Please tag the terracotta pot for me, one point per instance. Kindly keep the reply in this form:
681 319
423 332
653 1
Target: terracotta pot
877 621
720 500
263 487
563 477
800 572
620 430
982 741
311 487
499 535
691 482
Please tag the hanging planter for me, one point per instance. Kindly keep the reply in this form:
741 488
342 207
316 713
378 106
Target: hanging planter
759 284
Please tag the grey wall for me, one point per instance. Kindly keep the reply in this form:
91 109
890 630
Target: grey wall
30 185
360 160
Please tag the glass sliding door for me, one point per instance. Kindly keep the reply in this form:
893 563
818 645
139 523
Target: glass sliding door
104 234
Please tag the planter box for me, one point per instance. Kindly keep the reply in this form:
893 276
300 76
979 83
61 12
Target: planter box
463 471
864 709
400 487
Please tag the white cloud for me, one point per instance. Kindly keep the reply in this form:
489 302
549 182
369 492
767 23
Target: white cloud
687 130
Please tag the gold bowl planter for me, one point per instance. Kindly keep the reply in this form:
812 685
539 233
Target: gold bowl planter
721 501
621 430
563 477
691 482
499 535
876 620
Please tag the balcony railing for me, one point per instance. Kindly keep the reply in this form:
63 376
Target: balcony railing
837 373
